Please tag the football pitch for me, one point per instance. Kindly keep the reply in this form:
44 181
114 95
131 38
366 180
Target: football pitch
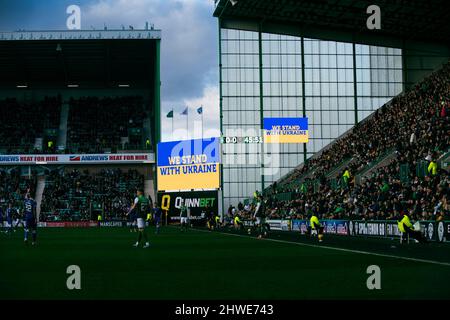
200 264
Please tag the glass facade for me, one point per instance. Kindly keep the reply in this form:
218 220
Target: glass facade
329 91
264 75
379 74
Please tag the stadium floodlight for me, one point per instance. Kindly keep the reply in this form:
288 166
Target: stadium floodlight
22 86
72 85
233 2
124 85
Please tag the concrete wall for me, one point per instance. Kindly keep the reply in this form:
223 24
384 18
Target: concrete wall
421 59
29 94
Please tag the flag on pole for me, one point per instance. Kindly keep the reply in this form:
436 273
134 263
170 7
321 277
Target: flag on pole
185 113
200 111
170 114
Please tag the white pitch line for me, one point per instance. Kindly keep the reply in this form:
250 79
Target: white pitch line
338 249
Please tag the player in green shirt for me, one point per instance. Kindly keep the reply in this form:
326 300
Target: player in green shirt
184 217
260 217
140 207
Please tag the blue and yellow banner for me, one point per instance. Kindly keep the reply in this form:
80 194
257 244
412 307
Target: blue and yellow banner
285 130
188 164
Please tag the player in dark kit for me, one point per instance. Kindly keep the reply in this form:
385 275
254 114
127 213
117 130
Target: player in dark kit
10 218
1 217
30 218
157 215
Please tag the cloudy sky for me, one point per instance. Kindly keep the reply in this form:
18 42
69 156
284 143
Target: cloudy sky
189 48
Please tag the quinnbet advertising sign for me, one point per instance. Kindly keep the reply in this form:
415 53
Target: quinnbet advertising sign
197 202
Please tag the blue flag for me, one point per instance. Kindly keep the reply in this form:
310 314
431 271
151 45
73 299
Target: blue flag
185 112
200 110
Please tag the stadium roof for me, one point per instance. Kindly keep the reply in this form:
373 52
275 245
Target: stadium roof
418 20
87 59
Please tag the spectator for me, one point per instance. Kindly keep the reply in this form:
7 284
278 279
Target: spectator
385 192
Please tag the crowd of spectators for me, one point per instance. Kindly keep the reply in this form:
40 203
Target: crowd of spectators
23 122
415 127
14 187
98 124
76 195
95 125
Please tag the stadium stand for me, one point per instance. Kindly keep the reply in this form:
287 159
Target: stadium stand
14 186
75 195
98 124
391 163
29 121
95 125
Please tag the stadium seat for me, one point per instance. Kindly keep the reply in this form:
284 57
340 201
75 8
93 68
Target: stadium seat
102 124
71 195
30 122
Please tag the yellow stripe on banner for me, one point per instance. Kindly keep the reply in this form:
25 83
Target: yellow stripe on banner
286 139
183 181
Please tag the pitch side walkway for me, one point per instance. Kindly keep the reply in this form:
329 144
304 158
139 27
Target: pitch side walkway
433 252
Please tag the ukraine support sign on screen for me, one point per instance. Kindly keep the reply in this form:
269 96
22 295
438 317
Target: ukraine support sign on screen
285 130
188 164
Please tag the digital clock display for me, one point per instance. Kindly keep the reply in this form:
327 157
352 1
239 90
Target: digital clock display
242 140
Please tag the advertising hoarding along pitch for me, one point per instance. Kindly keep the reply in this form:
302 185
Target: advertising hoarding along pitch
75 159
339 227
188 165
197 202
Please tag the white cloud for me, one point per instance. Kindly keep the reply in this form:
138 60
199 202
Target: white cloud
189 66
210 126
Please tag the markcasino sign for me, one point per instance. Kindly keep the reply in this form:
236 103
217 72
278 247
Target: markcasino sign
339 227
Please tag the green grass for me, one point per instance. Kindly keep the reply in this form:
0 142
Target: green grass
205 265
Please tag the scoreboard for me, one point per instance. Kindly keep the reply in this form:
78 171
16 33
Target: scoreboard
234 140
